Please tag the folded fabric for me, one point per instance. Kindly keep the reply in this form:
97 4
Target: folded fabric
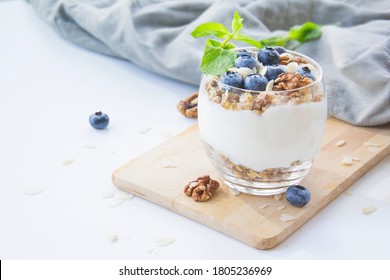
354 49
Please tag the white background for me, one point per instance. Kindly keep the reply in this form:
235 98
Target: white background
48 89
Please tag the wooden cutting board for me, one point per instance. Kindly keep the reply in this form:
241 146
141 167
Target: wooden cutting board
243 217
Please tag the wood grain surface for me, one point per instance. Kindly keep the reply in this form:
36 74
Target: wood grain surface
243 217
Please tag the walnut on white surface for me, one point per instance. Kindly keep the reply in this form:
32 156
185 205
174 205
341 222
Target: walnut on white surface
189 106
201 189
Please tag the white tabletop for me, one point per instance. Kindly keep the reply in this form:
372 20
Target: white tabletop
48 89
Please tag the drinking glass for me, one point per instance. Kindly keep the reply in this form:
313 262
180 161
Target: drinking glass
262 142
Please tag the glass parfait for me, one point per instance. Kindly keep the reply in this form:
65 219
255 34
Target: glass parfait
261 142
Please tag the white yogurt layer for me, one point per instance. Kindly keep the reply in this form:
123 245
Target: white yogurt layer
278 137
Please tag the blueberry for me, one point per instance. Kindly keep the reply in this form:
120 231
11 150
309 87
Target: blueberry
297 195
268 56
279 49
274 71
242 52
232 79
99 120
305 71
246 60
255 82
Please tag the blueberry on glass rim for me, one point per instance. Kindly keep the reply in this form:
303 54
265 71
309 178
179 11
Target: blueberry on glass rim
305 71
279 49
232 79
255 82
246 60
297 195
99 120
268 56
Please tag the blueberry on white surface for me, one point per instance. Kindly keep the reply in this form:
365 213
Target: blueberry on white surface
268 56
273 71
246 60
297 195
99 120
255 82
305 71
231 78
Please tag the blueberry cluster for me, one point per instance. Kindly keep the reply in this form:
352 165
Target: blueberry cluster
269 57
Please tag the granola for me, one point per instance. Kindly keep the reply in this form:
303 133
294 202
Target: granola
288 88
260 102
270 174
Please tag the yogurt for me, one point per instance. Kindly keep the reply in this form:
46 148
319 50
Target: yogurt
280 136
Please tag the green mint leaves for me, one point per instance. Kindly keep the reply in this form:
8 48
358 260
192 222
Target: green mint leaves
219 56
296 36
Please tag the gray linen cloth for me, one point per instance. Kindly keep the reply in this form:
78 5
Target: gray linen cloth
354 49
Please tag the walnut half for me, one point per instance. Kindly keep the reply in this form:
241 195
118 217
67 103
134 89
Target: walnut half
189 106
288 81
201 189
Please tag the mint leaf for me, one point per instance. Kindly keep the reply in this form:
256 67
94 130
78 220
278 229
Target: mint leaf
292 44
210 28
274 41
246 39
216 60
237 22
305 32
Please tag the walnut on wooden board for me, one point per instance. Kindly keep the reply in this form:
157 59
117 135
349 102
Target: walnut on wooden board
201 189
189 106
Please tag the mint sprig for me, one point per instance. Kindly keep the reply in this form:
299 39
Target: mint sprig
296 36
219 56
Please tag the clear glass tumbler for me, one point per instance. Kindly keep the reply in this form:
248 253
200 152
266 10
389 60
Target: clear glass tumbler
261 142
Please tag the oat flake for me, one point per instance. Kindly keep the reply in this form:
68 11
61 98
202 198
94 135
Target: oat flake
67 162
341 143
33 190
370 144
163 240
234 191
113 238
285 217
348 192
347 160
117 202
278 196
270 85
108 194
168 164
373 149
145 129
124 196
281 207
265 205
369 210
263 71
